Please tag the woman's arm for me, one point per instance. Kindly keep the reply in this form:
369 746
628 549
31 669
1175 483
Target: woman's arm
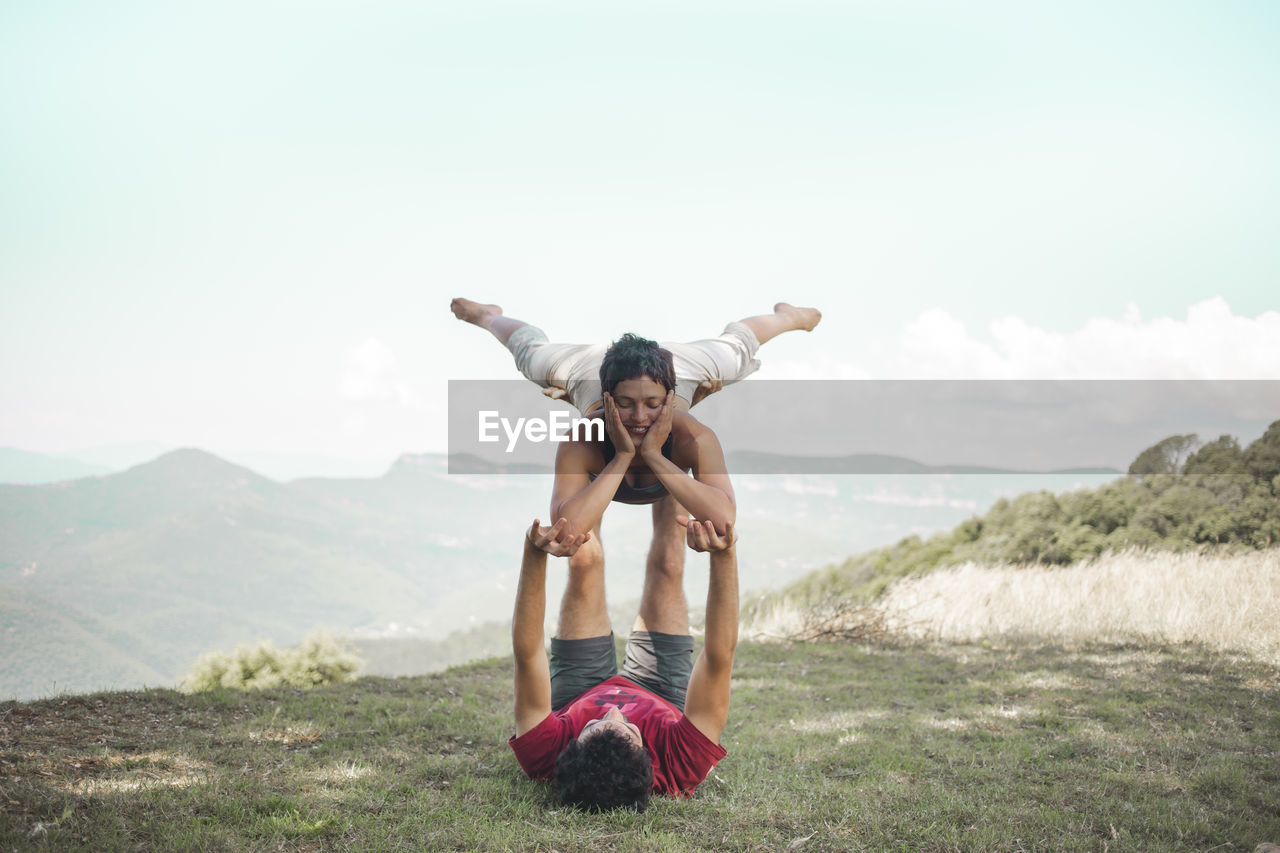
575 496
708 493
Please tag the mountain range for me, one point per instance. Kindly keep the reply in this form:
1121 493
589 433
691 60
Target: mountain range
124 579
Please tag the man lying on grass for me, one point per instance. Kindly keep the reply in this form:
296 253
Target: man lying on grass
610 739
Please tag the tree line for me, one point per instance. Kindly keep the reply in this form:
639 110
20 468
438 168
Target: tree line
1180 493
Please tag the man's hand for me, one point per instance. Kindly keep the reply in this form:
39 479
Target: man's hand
660 428
702 536
622 443
705 389
555 392
556 540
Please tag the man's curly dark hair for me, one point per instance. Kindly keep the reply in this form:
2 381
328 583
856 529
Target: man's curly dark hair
631 356
605 772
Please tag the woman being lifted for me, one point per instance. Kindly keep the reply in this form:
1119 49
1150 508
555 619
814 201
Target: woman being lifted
654 451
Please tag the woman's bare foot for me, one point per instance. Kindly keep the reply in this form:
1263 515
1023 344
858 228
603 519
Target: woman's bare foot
475 313
801 318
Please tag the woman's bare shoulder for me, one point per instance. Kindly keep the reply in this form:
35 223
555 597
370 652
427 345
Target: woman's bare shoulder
685 425
691 438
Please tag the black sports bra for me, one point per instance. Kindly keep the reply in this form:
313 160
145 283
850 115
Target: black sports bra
629 494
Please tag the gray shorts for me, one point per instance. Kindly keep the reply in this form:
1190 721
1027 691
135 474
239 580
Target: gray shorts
660 663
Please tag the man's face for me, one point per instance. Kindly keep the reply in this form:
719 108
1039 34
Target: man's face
612 720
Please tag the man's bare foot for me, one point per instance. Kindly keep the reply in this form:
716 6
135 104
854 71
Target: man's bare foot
473 312
801 318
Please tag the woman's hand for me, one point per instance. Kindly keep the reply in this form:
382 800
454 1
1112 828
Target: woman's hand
622 443
702 536
556 540
660 428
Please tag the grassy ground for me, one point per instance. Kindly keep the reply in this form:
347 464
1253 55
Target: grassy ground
832 747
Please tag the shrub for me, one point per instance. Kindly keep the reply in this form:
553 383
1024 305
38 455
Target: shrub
321 658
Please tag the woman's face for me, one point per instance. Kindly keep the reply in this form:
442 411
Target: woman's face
639 402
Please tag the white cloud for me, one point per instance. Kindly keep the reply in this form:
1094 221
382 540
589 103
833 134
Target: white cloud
372 374
1211 343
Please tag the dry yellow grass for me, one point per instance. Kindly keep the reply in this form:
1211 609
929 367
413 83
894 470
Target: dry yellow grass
1225 602
1228 602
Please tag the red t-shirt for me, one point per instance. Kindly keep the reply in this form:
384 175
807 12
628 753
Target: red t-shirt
682 755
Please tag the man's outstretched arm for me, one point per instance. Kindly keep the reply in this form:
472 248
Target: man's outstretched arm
707 701
533 672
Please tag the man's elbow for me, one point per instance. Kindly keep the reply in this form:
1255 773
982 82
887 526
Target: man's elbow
720 655
524 653
525 644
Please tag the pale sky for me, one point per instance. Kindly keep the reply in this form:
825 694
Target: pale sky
237 225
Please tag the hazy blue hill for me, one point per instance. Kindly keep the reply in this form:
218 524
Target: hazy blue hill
51 646
118 457
468 463
756 462
35 520
284 467
27 467
189 552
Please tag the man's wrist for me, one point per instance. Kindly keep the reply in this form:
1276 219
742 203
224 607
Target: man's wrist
727 551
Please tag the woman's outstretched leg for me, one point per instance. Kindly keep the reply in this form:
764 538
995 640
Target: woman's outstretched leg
730 357
785 318
535 357
486 317
702 367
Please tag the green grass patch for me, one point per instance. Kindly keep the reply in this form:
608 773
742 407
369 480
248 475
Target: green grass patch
832 747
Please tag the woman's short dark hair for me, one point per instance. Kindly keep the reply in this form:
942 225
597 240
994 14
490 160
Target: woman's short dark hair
605 772
631 356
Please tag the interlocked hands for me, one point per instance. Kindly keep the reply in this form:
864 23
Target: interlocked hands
556 540
702 536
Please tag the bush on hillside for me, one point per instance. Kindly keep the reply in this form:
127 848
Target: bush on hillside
1179 495
320 659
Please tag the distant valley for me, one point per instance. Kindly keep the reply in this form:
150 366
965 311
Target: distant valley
123 579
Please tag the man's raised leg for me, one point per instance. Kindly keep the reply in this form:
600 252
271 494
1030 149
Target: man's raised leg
583 609
582 651
663 606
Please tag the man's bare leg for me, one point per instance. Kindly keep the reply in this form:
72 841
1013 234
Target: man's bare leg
663 607
785 318
486 317
584 612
